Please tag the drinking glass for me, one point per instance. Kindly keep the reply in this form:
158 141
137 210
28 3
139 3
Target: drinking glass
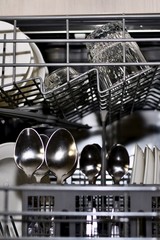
114 52
59 77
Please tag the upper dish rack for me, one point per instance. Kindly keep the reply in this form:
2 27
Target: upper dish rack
62 42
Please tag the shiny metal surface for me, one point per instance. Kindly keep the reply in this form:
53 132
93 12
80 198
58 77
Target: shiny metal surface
44 138
118 162
90 162
61 153
70 173
43 170
29 151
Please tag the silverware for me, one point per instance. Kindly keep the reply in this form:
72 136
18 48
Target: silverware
14 226
90 162
43 170
117 167
61 153
29 151
117 162
45 139
70 173
90 165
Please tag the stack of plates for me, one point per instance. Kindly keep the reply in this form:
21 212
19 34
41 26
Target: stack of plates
146 166
15 50
10 176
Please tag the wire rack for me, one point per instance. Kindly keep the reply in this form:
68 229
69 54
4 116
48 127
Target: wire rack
71 212
78 210
80 96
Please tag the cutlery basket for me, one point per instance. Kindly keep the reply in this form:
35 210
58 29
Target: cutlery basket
91 211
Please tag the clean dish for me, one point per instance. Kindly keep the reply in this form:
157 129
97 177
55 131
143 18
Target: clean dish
156 153
10 175
8 50
38 58
149 166
138 166
37 72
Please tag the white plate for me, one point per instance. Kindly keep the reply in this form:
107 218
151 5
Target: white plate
149 166
22 55
138 166
10 175
156 153
38 58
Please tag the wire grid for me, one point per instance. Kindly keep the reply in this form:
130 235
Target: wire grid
129 95
81 96
72 211
76 98
23 93
87 213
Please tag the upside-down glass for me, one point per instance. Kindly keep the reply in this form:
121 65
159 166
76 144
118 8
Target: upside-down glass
117 51
57 81
59 77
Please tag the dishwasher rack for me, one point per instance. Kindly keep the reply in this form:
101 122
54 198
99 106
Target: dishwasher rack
80 211
82 95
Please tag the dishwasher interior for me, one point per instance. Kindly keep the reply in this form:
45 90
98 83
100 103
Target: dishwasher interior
125 112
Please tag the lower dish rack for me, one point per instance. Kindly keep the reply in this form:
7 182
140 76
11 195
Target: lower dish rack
81 212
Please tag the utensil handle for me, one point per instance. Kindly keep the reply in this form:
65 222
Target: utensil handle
14 226
141 226
104 162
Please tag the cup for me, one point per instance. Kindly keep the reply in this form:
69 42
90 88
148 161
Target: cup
66 91
114 52
59 77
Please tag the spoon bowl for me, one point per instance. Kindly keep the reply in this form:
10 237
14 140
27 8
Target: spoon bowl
90 162
117 162
61 153
29 151
43 170
45 139
69 173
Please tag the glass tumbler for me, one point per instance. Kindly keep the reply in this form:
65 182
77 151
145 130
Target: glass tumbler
114 52
66 90
59 77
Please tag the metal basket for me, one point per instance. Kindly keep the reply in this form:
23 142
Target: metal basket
71 212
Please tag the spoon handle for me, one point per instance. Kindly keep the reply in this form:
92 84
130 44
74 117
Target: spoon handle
59 180
104 162
92 180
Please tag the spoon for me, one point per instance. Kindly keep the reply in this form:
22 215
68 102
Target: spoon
118 162
43 170
70 172
61 153
90 162
29 151
44 138
90 165
117 167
